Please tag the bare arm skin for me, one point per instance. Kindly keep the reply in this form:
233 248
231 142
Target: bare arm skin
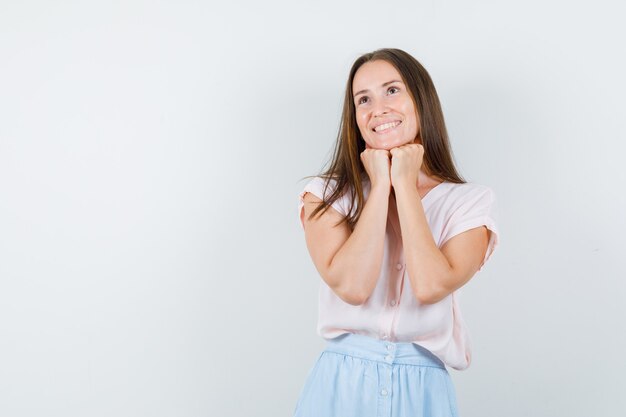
349 262
433 273
436 273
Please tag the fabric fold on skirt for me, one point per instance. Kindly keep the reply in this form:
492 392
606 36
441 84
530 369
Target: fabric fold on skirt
359 376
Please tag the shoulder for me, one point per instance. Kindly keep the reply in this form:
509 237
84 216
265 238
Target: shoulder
469 191
323 187
468 206
320 185
462 199
470 188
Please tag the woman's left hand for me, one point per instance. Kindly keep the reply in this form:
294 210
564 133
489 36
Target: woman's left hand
406 161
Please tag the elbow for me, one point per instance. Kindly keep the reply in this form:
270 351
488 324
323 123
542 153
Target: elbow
423 298
353 293
429 295
353 296
431 291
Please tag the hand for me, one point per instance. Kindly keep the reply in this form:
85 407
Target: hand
377 164
406 161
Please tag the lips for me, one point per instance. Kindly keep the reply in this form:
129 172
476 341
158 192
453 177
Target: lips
387 126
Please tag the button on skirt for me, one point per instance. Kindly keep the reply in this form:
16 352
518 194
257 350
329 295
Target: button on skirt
359 376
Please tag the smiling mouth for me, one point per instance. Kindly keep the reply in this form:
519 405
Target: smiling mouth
384 128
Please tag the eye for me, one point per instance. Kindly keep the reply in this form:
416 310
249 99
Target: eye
362 100
392 90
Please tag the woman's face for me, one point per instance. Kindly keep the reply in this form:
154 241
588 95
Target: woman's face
385 112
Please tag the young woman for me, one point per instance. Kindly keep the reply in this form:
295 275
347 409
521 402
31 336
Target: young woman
394 232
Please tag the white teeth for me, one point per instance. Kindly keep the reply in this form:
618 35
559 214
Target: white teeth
386 126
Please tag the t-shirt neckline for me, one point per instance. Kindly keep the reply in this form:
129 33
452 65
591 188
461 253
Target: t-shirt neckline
435 190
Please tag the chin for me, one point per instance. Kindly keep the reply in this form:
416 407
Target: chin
390 144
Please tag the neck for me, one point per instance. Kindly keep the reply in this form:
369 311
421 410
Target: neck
423 178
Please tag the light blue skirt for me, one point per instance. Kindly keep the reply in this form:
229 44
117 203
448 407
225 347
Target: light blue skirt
359 376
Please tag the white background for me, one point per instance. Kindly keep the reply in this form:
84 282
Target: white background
151 152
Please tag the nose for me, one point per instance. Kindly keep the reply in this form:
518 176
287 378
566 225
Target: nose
380 108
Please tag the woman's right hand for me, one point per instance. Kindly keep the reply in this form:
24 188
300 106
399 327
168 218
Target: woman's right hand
377 163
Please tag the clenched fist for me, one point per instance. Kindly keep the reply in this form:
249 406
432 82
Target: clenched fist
377 164
406 161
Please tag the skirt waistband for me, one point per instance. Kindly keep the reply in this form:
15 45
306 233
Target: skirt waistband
365 347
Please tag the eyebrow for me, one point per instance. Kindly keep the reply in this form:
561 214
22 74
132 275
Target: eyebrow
384 85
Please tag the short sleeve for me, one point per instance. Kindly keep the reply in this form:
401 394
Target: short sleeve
478 207
316 186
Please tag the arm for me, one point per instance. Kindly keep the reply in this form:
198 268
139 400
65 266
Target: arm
436 273
349 261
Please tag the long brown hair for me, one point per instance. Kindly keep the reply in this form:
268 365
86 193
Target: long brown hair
346 168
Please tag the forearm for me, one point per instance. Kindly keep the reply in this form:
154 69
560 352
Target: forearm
356 266
427 267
